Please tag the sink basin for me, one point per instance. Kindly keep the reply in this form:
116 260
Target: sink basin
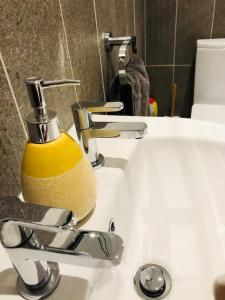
165 193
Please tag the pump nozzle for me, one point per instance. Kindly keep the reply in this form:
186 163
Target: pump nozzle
43 125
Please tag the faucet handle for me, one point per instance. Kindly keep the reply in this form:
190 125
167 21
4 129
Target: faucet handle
105 107
82 112
99 106
15 214
36 85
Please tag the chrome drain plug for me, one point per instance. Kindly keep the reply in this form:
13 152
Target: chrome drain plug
152 282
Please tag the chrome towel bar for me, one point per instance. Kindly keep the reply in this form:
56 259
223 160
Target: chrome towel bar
123 42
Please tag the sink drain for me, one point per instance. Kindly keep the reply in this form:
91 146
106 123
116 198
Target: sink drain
152 282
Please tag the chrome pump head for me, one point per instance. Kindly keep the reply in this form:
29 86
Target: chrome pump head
43 125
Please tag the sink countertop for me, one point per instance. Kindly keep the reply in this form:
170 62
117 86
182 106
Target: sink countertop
165 193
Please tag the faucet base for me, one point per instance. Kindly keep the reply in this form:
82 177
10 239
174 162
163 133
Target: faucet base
36 294
100 161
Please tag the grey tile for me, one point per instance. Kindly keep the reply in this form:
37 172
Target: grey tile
124 21
12 141
129 17
160 87
79 18
120 26
105 20
120 18
184 78
160 30
219 20
129 6
32 42
193 22
140 27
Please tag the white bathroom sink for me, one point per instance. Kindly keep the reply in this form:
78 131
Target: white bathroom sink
209 112
165 193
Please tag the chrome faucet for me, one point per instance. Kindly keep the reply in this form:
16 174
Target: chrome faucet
88 130
37 238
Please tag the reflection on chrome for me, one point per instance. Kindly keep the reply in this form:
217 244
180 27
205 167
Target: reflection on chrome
36 238
88 130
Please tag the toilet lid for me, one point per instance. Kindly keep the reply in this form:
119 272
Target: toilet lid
209 112
211 43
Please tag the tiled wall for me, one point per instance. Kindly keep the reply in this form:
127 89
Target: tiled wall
172 29
55 39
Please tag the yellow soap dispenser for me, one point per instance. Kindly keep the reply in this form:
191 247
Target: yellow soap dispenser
55 171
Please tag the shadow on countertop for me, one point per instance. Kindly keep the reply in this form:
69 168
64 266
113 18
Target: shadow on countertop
69 287
112 162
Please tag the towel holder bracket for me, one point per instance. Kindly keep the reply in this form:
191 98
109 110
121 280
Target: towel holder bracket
111 41
123 43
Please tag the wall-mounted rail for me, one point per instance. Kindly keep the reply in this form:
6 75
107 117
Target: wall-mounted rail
123 43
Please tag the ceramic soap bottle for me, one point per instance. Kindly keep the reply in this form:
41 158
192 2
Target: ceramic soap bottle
55 171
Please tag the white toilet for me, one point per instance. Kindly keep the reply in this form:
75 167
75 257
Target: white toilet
209 91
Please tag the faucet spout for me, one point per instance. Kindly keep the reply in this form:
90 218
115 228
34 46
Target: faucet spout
127 130
78 247
88 130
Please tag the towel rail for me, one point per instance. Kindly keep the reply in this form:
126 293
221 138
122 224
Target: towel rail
123 42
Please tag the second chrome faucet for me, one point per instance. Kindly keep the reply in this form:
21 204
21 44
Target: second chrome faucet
88 130
37 238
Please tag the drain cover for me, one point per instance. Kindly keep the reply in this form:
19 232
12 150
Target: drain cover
152 282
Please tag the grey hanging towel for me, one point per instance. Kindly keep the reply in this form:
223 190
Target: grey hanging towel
136 91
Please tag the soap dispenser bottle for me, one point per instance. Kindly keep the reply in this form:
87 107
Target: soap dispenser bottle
55 171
